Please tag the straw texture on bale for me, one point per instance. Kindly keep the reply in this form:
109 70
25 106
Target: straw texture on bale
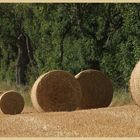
1 92
96 88
11 102
56 90
135 83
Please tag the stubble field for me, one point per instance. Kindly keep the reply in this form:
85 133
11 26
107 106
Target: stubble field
119 121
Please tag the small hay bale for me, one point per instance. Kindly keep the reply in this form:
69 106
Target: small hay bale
11 102
96 88
56 90
135 84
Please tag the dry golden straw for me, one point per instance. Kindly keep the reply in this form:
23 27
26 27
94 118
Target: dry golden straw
1 92
135 84
11 102
96 88
56 90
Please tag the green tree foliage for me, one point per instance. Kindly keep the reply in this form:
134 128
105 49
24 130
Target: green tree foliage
72 37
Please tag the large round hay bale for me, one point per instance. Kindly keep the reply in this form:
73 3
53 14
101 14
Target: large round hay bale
1 92
11 102
96 88
56 90
135 83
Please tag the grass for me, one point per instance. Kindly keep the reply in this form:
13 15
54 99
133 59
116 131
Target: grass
120 97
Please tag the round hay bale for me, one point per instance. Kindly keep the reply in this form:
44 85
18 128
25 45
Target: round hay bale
1 92
96 88
11 102
135 84
56 90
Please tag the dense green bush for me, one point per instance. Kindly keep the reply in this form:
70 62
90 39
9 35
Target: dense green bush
72 37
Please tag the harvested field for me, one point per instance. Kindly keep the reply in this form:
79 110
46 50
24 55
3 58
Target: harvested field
122 121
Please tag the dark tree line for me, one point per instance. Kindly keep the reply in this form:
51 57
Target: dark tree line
35 38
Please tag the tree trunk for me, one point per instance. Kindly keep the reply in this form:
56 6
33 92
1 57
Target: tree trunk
61 52
25 57
63 35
